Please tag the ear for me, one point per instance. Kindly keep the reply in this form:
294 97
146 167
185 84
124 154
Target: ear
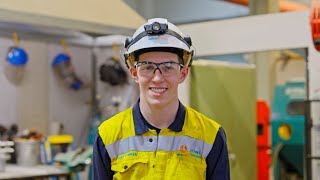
134 74
183 74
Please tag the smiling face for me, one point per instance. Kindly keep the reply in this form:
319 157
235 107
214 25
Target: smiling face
157 90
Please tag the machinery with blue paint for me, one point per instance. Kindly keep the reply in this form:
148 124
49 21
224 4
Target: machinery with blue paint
287 124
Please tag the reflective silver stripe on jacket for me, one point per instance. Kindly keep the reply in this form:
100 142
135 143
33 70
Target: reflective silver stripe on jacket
158 143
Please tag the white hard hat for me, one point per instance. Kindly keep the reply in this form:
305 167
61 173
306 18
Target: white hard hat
158 35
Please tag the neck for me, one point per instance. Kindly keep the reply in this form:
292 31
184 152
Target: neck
159 116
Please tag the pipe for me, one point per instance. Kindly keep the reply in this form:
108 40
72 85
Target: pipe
284 5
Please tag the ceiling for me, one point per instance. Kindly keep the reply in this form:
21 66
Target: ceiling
189 11
67 18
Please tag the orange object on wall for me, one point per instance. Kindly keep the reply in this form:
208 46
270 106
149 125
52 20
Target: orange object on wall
284 5
263 140
315 23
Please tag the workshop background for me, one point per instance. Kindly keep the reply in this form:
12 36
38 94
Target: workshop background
61 75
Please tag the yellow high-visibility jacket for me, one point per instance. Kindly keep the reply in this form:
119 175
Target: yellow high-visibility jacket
179 152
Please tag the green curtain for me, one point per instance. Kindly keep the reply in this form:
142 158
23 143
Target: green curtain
226 93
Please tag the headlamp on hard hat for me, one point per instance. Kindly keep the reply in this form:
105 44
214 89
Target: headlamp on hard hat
156 28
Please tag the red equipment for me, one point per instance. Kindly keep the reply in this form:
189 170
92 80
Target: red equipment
263 140
315 23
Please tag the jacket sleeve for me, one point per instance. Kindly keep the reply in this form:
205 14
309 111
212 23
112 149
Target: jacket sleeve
101 161
218 160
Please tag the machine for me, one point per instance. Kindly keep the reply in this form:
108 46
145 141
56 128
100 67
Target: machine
287 124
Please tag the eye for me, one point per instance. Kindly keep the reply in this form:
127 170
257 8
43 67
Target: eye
169 66
147 67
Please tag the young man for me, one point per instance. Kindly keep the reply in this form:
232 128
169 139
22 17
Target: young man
160 138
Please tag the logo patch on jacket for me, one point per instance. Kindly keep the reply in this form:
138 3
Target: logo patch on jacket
184 151
129 154
183 148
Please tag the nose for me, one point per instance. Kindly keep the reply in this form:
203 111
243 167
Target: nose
157 76
156 70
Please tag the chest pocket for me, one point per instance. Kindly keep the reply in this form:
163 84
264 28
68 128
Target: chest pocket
184 168
130 169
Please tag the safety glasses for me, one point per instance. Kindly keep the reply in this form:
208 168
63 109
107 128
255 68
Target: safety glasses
166 69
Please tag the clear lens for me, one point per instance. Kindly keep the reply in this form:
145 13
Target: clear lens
166 68
156 26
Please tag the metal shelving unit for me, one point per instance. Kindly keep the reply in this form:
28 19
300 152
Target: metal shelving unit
309 158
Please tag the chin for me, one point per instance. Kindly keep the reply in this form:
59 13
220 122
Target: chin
159 102
156 102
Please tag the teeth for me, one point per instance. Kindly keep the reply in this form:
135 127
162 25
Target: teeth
158 90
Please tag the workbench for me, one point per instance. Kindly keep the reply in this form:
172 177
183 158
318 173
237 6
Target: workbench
33 172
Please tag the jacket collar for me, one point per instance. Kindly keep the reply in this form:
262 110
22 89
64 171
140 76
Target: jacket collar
141 128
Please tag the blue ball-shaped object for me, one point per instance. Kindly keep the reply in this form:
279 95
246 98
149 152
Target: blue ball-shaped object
17 56
62 57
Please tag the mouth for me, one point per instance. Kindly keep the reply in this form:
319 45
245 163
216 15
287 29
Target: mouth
158 90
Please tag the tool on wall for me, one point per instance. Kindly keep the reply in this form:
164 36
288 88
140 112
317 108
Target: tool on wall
17 59
113 73
63 67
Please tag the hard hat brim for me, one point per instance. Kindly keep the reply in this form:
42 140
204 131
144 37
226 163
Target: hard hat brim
158 41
